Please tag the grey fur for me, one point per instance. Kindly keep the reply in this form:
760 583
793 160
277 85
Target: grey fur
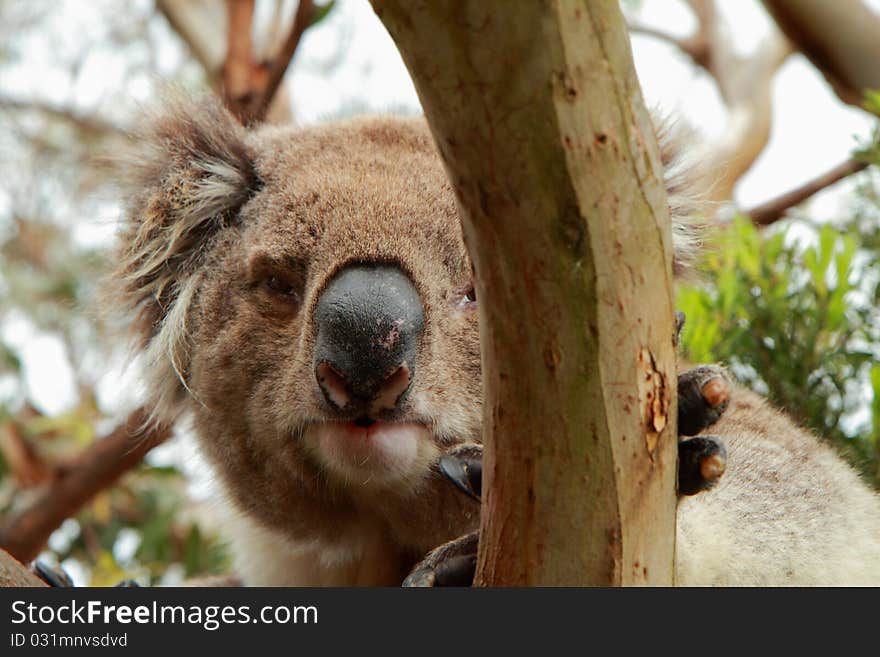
215 210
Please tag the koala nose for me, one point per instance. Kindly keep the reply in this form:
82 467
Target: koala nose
368 320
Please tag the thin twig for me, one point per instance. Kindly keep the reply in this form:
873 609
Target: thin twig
89 124
773 210
693 46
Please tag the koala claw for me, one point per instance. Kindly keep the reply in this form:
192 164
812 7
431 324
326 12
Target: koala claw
703 395
463 466
701 462
420 577
53 576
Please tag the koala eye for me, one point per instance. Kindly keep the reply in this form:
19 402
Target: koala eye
467 297
282 287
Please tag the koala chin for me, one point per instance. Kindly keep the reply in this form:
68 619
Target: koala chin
305 296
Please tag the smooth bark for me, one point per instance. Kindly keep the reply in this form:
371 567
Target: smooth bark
539 119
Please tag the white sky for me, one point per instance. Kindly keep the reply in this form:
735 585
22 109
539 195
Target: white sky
812 130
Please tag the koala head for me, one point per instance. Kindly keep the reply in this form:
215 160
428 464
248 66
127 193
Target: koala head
307 295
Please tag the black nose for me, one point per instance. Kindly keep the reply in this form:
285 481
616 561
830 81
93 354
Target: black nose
368 322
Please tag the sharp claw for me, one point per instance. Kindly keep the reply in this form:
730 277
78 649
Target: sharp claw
679 324
466 474
52 576
421 578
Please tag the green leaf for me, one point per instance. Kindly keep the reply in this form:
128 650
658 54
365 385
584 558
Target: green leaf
9 360
321 12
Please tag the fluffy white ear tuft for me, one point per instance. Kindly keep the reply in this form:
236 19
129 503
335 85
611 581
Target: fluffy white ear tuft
188 175
687 190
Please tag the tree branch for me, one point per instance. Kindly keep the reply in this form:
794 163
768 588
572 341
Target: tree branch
13 573
199 25
250 86
693 46
744 84
280 62
775 209
94 127
239 83
26 465
840 38
93 470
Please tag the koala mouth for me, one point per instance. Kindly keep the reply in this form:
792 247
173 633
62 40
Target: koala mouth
366 449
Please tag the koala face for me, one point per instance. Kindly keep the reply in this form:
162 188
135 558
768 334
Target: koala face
337 313
307 295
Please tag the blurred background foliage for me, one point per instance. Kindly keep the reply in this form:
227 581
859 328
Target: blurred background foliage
794 311
791 308
73 79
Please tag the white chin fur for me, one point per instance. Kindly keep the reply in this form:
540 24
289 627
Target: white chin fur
384 452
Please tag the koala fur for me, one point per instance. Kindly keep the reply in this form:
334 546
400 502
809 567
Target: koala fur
228 242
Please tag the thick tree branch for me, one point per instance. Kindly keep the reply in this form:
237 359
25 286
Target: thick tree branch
840 38
25 463
250 86
775 209
239 83
13 573
693 46
94 469
538 116
305 12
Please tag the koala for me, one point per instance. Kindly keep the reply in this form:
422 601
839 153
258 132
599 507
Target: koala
305 296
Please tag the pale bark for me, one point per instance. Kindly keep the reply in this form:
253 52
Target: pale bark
201 24
540 121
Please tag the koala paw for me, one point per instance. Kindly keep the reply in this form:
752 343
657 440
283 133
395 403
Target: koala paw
701 462
703 395
451 564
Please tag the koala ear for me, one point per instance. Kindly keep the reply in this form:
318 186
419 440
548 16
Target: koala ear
187 177
687 190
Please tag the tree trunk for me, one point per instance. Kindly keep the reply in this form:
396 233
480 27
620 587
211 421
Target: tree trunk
539 118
